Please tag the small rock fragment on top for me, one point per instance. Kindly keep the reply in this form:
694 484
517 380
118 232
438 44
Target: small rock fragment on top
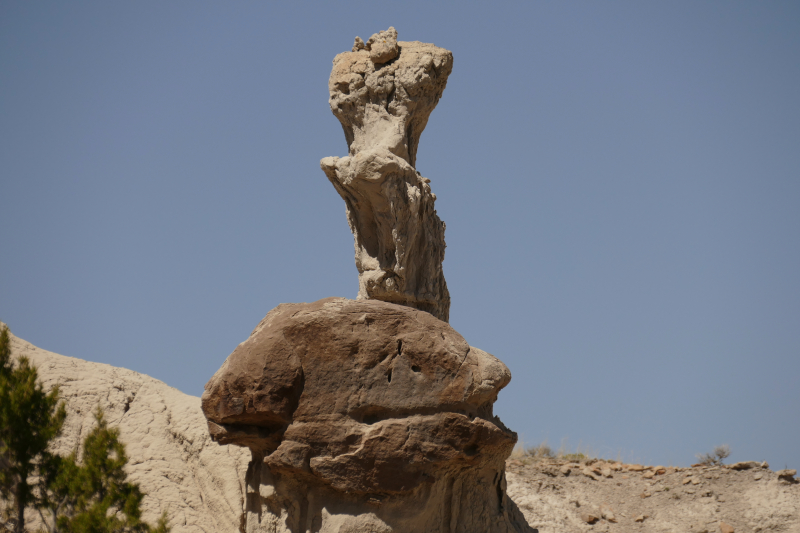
382 46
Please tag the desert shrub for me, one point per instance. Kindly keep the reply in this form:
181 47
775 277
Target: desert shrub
542 451
715 457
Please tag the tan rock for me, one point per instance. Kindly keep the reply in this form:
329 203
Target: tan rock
640 518
589 518
382 46
590 474
786 474
649 475
725 528
745 465
635 468
607 513
383 108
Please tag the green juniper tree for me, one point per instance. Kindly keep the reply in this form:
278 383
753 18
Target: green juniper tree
29 420
94 495
90 496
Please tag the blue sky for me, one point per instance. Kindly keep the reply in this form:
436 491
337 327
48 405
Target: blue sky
620 183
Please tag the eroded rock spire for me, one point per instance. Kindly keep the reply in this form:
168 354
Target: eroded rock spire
383 92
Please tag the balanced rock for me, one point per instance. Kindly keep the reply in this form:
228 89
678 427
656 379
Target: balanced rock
363 415
383 93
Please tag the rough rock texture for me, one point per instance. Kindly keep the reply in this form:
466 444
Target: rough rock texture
204 494
358 413
383 93
558 496
171 455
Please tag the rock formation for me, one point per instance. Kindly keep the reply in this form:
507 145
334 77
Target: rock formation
383 93
372 415
171 455
365 416
202 484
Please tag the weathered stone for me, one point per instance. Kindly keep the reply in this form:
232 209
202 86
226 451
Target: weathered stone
383 93
744 465
382 46
590 474
725 528
369 409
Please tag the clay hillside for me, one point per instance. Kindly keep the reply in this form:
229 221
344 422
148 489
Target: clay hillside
201 483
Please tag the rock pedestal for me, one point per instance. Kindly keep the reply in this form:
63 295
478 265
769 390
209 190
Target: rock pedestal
365 416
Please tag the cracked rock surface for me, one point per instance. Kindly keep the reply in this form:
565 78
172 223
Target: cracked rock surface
383 92
367 410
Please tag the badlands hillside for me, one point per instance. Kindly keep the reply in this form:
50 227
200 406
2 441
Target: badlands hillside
201 484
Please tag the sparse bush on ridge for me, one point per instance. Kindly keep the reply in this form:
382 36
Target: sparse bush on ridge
544 452
715 457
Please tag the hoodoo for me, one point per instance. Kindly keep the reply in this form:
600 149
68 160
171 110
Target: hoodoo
372 415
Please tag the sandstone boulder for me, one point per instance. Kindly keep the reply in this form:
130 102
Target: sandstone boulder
365 409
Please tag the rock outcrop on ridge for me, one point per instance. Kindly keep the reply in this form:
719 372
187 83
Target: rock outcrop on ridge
171 455
365 416
383 93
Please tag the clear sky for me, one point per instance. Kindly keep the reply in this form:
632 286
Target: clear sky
620 183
